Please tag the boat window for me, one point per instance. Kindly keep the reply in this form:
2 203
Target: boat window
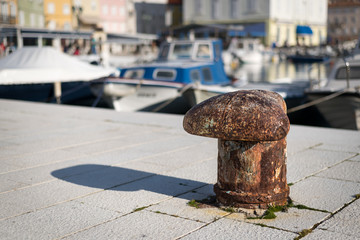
134 73
207 75
165 74
182 51
164 52
217 52
354 73
203 51
195 75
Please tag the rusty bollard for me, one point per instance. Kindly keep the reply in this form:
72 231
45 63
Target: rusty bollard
251 127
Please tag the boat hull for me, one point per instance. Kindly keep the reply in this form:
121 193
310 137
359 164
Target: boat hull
340 112
44 92
128 95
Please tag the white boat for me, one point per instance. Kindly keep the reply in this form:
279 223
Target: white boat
45 74
338 99
249 50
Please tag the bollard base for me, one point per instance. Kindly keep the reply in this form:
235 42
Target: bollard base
251 200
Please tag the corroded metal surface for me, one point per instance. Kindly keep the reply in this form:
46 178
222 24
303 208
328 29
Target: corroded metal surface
252 174
247 115
251 126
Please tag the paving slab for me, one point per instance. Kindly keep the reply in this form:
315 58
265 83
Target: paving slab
311 161
229 229
82 173
294 220
140 225
323 193
347 170
345 222
55 221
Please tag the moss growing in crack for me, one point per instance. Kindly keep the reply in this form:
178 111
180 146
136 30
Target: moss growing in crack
303 233
139 209
300 206
229 209
270 212
193 203
357 196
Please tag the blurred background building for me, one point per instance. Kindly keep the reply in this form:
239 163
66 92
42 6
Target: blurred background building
344 20
81 22
279 22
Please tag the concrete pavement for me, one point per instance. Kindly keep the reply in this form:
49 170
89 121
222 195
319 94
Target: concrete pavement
80 173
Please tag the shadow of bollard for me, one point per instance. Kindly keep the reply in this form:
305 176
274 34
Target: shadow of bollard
124 179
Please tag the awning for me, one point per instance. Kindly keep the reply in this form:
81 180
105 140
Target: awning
251 30
256 29
303 30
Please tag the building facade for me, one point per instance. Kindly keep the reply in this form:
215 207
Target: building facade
275 21
113 16
150 16
58 14
8 12
31 13
344 20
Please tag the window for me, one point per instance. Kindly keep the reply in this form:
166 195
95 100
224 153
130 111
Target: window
195 75
12 9
114 26
105 9
203 51
354 73
77 3
134 73
52 25
40 21
216 9
165 74
122 27
51 8
4 10
233 8
93 5
106 27
207 74
164 52
32 20
67 26
251 6
66 9
182 51
113 10
198 6
122 11
21 18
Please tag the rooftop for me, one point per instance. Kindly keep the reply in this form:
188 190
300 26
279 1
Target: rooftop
80 173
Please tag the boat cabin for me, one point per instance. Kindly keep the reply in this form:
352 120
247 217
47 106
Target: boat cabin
183 62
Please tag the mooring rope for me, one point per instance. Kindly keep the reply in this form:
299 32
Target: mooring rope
317 101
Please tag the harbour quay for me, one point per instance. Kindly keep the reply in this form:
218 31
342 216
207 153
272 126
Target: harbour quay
71 172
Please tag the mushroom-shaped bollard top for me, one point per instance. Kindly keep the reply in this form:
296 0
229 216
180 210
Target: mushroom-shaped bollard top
245 115
251 127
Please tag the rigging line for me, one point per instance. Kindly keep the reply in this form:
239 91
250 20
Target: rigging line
317 101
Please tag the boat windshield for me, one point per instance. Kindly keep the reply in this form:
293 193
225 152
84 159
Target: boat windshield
182 51
354 73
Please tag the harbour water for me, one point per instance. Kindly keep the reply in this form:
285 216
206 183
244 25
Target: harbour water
287 72
283 71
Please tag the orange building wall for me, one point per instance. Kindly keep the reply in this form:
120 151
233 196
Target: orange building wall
58 14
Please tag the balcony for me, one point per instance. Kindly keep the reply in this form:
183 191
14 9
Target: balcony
4 19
